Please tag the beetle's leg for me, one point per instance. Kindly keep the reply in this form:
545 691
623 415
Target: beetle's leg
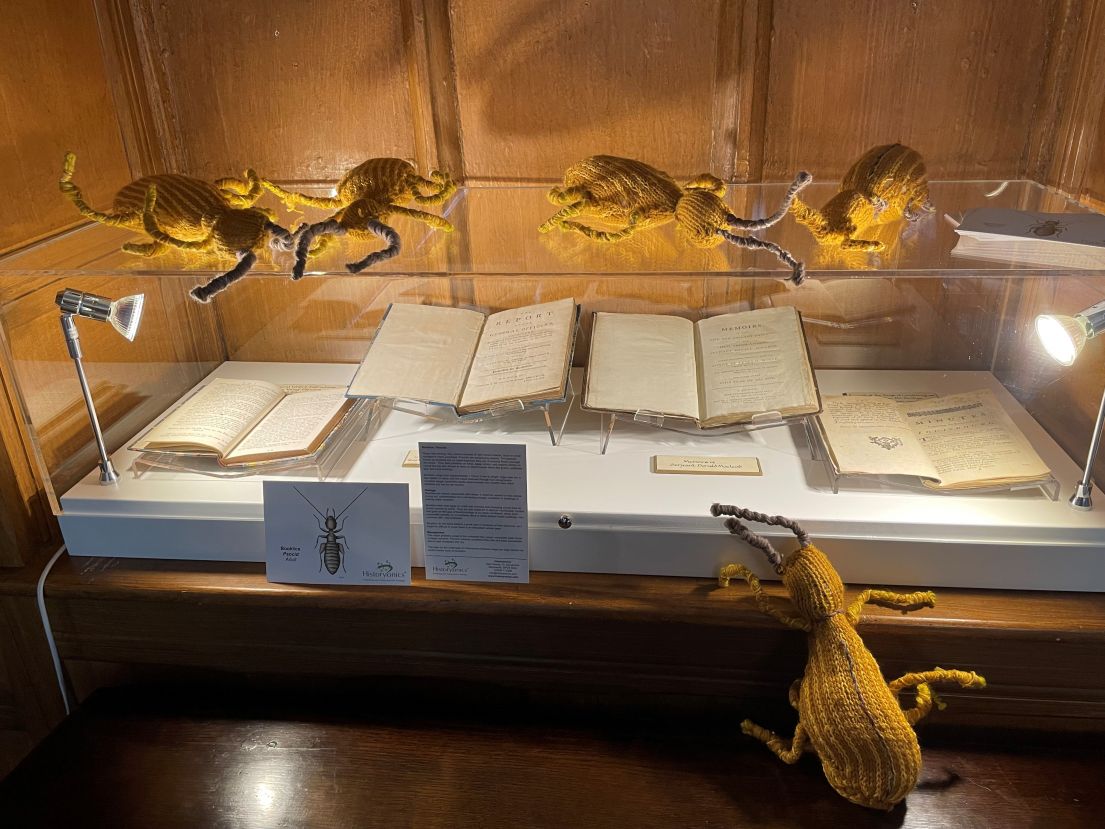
786 753
603 235
925 697
558 218
203 293
762 600
798 269
241 192
146 248
568 195
904 602
130 219
381 230
341 555
423 216
149 222
291 199
872 245
441 188
794 693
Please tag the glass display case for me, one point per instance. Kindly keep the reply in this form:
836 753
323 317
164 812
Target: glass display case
915 321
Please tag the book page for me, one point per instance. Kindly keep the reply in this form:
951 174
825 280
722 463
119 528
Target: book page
869 435
421 352
970 440
753 362
295 426
214 417
522 354
642 362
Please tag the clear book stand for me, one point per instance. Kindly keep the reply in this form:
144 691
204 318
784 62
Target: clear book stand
353 431
763 420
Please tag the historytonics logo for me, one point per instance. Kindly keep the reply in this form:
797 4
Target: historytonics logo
386 571
449 567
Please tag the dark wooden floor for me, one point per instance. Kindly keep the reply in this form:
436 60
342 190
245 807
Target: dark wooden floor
330 757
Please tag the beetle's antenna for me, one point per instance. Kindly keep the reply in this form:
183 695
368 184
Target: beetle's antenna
203 293
798 269
308 500
800 182
351 503
307 236
386 233
755 539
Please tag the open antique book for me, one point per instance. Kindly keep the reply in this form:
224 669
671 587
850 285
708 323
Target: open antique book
469 360
248 421
719 371
962 441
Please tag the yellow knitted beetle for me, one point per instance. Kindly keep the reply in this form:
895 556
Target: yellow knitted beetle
189 214
639 196
367 195
886 184
847 713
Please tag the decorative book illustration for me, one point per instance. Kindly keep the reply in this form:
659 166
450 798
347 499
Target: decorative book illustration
468 360
719 371
1073 240
961 441
248 421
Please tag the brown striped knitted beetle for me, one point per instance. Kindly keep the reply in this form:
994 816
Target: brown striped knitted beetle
847 713
367 195
637 195
189 214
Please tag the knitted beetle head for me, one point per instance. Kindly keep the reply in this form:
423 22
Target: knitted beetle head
814 587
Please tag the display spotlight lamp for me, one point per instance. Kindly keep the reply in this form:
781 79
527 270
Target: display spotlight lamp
1063 338
124 316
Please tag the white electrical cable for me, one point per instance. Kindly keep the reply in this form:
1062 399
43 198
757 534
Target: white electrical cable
40 592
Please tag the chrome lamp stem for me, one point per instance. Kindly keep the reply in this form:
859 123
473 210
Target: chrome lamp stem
108 475
1082 493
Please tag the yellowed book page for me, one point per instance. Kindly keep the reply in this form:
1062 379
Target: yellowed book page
642 362
293 427
971 441
421 352
870 435
754 362
215 417
522 355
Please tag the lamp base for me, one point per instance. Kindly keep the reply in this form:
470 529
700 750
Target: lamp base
108 475
1081 498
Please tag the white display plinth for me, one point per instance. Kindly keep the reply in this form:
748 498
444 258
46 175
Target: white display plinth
626 519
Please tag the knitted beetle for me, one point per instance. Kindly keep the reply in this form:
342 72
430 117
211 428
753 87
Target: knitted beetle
886 184
189 214
847 714
637 195
367 195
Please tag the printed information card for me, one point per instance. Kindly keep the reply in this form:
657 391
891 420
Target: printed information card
319 532
475 511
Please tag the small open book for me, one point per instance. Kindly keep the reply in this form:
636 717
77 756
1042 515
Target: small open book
248 421
962 441
468 360
719 371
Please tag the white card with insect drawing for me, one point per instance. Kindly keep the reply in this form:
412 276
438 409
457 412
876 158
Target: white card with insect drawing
319 532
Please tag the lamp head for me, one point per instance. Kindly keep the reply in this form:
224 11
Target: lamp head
124 314
1064 336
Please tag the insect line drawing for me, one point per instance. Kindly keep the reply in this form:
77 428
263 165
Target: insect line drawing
331 550
1048 227
885 442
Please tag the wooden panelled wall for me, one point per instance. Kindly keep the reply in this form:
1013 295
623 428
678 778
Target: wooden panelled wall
500 91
